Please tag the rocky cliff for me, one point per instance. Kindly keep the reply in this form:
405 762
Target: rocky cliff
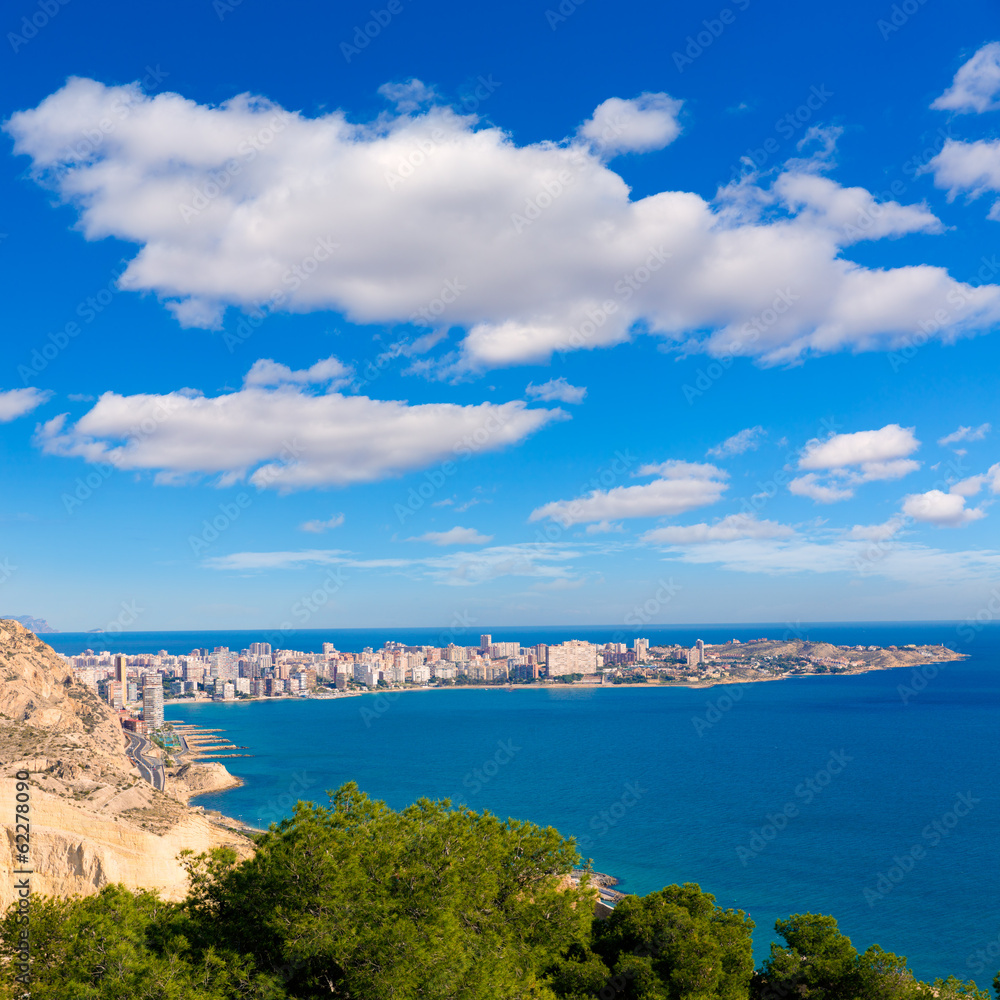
93 819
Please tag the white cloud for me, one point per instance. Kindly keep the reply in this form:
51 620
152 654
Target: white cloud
248 561
635 126
853 212
556 390
270 373
729 529
877 532
965 434
683 486
603 528
16 403
317 527
287 437
539 560
810 486
408 96
970 168
860 448
971 486
976 83
747 439
946 510
454 536
847 460
433 218
900 562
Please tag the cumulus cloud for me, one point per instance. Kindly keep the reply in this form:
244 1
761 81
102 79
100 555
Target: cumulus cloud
680 487
454 536
747 439
285 437
16 403
317 527
877 532
435 218
635 126
946 510
409 96
556 390
729 529
328 370
846 460
971 486
976 83
965 434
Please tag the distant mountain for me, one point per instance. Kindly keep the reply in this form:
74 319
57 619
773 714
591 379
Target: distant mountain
37 625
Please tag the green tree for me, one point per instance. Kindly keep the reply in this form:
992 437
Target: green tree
120 945
817 962
677 944
362 901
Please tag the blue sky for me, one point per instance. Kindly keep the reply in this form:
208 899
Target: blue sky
415 314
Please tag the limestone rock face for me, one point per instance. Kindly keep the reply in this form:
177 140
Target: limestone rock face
93 820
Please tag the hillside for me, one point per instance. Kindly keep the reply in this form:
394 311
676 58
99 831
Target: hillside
93 820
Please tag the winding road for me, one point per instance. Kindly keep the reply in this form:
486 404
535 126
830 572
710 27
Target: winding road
151 770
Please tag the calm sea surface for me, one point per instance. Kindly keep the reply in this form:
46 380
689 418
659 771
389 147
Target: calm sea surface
778 797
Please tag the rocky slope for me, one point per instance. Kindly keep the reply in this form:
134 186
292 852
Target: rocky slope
93 819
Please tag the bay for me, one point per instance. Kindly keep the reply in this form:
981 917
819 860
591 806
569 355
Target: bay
871 797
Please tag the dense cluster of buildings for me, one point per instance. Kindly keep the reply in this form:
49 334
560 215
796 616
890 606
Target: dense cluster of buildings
143 680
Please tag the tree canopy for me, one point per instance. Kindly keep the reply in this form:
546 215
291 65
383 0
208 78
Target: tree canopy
362 902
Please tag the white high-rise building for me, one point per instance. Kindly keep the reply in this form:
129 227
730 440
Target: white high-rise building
152 706
641 647
572 657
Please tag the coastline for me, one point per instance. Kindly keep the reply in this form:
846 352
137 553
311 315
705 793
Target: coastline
232 823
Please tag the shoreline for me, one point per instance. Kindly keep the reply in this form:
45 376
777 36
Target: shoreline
232 823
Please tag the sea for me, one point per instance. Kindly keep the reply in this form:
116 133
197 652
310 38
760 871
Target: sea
873 797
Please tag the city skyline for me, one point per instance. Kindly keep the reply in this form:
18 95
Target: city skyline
361 327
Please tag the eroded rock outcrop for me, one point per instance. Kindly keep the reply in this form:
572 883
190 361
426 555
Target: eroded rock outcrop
93 820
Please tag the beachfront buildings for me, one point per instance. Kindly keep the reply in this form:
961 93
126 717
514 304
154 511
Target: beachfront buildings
152 706
572 657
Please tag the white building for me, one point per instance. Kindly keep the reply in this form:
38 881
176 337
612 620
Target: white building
573 657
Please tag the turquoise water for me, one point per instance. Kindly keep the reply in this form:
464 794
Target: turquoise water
839 777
